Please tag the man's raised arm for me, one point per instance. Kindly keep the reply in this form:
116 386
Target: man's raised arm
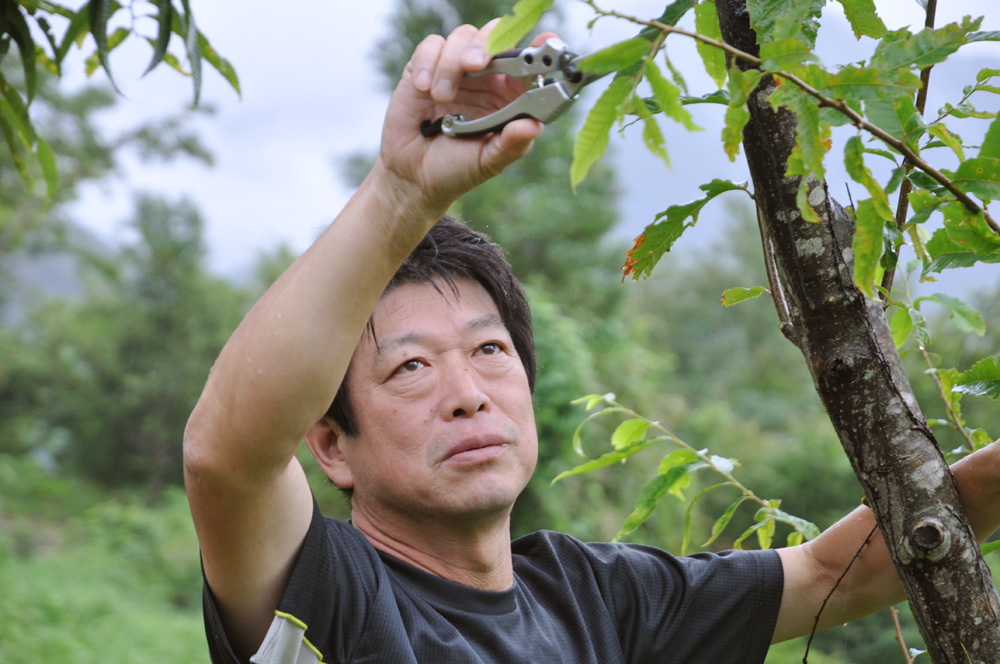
278 373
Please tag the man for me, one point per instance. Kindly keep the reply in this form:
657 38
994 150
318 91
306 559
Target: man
432 431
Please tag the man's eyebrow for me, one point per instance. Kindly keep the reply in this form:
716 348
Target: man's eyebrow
486 322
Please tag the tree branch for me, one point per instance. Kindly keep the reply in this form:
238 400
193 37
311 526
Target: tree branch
837 104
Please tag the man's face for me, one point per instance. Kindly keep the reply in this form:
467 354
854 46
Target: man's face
445 419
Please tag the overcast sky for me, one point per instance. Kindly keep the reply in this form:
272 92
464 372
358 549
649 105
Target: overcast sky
311 94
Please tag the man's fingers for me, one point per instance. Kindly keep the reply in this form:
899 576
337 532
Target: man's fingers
449 71
424 62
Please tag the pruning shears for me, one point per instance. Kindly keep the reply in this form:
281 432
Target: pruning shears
553 78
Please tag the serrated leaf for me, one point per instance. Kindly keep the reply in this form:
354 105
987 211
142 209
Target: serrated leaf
740 85
867 245
616 57
660 236
787 54
984 35
901 326
732 296
514 26
100 13
899 50
605 460
964 317
164 21
629 432
779 19
592 140
652 137
667 96
991 143
807 529
899 117
855 165
863 18
706 22
979 176
723 521
867 84
983 379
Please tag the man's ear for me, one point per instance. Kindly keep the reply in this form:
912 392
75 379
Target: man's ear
324 440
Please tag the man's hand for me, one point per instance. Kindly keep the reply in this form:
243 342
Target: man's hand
433 172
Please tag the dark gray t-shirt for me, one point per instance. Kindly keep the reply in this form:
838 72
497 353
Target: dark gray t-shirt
571 602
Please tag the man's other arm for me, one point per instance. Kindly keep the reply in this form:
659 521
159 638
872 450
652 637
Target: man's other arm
812 569
278 373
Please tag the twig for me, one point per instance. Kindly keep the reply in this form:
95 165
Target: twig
955 419
824 102
857 554
899 632
903 204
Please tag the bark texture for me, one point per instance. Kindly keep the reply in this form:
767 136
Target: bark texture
859 376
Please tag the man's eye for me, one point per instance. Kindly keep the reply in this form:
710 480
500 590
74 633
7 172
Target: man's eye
409 366
491 348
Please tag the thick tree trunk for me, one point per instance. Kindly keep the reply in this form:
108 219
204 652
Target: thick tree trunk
858 374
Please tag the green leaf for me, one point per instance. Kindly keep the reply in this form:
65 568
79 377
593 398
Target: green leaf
780 19
983 379
991 35
47 160
15 25
192 48
667 96
863 18
953 141
591 400
732 296
652 137
855 165
867 84
920 330
606 459
592 140
219 63
651 495
615 57
113 42
100 12
979 176
659 236
164 21
787 54
77 29
577 443
964 317
899 117
900 51
991 143
901 326
723 521
629 432
989 547
706 22
740 85
514 26
867 245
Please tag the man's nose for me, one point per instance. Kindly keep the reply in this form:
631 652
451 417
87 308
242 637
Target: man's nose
463 394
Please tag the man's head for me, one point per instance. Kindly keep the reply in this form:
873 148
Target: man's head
450 251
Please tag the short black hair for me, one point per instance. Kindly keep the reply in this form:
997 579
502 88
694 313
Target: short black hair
451 250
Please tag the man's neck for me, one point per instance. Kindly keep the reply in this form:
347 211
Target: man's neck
477 556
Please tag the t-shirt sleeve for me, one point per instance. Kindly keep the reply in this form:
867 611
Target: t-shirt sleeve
323 607
707 607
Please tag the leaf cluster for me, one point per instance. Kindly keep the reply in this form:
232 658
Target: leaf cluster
63 28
